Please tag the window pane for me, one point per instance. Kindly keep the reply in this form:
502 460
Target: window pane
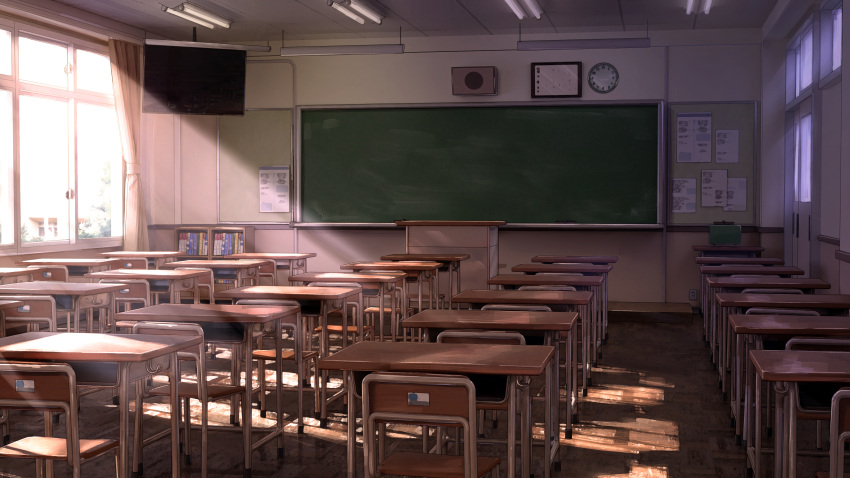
836 38
7 182
806 159
93 72
42 62
99 185
806 60
5 52
44 169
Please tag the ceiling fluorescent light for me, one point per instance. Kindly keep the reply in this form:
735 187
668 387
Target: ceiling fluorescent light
365 10
216 46
583 44
518 11
380 49
199 12
534 8
690 8
185 16
348 13
706 6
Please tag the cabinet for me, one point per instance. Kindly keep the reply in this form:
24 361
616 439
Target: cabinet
209 242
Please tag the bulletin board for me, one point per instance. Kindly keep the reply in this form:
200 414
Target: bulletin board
711 175
259 140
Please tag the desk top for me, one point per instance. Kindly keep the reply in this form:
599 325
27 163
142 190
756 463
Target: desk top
441 358
767 282
287 292
144 254
148 274
62 346
752 269
59 288
829 325
563 268
84 262
282 256
437 257
545 297
727 248
216 263
551 259
801 365
546 279
790 301
392 266
352 277
491 320
221 313
749 261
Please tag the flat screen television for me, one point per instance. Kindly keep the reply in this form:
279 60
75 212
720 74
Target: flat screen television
195 81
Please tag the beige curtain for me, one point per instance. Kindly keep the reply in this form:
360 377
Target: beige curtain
126 60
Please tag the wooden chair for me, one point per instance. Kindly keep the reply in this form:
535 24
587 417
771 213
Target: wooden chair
304 369
48 387
354 315
206 285
133 263
196 388
37 312
51 272
839 433
425 400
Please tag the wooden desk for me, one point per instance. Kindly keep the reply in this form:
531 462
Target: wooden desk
17 274
746 327
236 271
77 267
128 358
740 261
226 323
295 262
782 367
387 283
552 259
81 295
551 324
451 262
420 271
728 250
729 270
154 258
517 360
307 296
558 300
177 280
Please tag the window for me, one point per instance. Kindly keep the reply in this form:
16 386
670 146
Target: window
799 63
830 39
803 159
836 38
66 149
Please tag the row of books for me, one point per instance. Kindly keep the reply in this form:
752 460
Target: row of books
193 243
226 243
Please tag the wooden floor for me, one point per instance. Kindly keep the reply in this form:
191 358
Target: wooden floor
654 410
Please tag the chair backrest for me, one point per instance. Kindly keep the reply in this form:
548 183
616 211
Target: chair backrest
35 309
136 291
769 311
480 337
195 352
525 307
547 287
283 302
839 431
817 343
205 282
428 399
54 273
133 263
771 291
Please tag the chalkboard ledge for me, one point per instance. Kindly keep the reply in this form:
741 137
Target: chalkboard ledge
405 222
580 227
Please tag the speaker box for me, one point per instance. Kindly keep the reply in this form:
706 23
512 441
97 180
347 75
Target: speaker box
474 80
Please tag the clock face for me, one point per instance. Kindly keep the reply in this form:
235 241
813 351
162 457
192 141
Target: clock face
603 77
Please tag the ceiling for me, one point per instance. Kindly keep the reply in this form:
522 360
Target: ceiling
271 20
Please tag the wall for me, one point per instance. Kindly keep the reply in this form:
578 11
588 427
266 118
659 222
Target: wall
680 67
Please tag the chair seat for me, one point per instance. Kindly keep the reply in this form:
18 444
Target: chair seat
190 390
269 354
431 465
351 329
53 448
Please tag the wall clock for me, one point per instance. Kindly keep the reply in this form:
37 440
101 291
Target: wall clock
603 77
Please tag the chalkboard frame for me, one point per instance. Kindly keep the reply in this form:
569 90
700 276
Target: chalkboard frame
660 168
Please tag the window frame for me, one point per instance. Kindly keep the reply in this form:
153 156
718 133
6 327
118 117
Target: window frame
828 73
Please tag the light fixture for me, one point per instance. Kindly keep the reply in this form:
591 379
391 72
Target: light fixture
348 13
583 44
379 49
216 46
366 11
532 8
693 6
518 11
198 15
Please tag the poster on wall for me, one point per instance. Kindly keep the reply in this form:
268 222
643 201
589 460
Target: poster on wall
684 195
726 146
274 188
736 194
693 138
713 188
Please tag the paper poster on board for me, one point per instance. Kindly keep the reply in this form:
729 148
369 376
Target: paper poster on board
684 195
693 138
736 194
726 146
274 188
713 186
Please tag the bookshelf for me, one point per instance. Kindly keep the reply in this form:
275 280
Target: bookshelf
210 242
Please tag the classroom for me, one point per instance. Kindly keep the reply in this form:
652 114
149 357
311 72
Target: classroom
505 171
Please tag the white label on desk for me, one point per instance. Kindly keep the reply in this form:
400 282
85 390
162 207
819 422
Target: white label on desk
418 399
25 385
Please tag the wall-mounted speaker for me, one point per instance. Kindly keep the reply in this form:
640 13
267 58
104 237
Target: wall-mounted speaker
474 80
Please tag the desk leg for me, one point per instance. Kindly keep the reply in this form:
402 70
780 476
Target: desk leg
737 385
757 428
352 425
175 422
278 366
512 413
568 383
124 421
247 347
525 421
780 429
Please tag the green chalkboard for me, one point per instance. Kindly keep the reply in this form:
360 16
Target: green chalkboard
521 164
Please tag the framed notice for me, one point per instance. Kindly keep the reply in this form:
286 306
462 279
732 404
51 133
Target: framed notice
556 80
